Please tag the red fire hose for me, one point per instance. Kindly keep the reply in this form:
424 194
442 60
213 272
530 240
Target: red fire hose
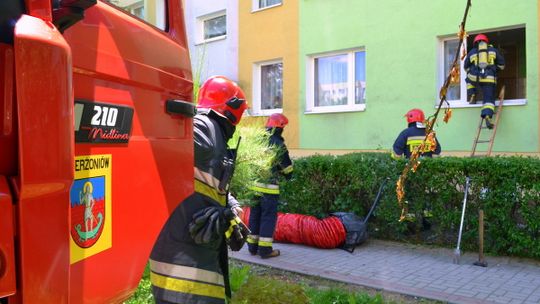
305 229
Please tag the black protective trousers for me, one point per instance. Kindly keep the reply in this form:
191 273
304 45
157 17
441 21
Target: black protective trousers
262 222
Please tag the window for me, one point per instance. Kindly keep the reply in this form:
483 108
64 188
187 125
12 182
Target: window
153 12
511 44
212 27
268 87
262 4
138 11
337 82
215 27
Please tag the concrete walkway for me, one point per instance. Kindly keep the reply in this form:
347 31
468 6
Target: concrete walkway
417 271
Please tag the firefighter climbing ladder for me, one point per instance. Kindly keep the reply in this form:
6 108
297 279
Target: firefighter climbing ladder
482 126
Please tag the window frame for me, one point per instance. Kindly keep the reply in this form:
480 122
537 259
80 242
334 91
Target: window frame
462 102
163 7
137 5
257 88
255 6
310 83
200 26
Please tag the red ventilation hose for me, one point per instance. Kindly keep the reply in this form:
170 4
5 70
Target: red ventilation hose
305 229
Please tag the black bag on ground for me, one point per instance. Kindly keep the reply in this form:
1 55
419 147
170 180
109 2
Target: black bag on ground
356 230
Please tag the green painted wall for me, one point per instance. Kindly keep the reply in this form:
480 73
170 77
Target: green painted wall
401 39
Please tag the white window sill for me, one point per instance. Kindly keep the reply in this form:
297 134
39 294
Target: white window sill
464 104
266 7
336 109
266 112
211 40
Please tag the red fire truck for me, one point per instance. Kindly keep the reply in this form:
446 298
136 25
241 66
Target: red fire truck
95 145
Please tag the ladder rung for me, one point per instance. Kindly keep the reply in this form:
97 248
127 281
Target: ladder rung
481 155
483 141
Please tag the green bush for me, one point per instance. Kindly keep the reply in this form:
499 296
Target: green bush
506 188
254 161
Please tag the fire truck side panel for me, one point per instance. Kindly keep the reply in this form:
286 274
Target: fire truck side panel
39 9
8 167
7 249
121 60
44 99
8 117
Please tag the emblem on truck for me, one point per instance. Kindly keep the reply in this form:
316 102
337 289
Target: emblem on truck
102 123
90 202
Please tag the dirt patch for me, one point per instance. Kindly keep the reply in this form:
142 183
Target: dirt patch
322 284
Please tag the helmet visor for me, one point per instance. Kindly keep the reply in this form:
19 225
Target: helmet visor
235 103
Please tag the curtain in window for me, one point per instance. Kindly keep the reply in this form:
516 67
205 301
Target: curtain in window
331 81
454 90
215 27
272 86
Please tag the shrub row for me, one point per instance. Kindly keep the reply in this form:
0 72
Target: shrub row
506 188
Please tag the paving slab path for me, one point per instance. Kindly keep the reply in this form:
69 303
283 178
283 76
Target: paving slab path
414 270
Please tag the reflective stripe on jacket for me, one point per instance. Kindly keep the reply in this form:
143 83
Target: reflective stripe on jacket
487 75
182 271
412 137
283 165
210 144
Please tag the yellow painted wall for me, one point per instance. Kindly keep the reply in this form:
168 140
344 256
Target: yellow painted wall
266 35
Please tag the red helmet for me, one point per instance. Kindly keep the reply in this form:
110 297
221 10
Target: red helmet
415 115
277 120
223 96
481 37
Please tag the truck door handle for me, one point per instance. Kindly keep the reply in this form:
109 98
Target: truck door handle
175 106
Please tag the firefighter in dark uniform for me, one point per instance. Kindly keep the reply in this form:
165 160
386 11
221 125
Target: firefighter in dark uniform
413 136
405 144
189 262
482 64
263 216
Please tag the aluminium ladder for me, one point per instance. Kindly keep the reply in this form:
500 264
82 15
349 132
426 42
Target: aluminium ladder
482 126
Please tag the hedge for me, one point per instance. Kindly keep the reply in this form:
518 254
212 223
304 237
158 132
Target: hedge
506 188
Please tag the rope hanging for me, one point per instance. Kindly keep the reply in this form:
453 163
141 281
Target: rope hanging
452 76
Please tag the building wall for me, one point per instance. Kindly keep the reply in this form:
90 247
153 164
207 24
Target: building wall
266 35
218 57
401 39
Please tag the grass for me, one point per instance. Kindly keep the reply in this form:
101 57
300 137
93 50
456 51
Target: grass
338 296
265 286
269 291
143 294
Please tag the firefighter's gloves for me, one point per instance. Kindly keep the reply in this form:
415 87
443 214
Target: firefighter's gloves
208 226
236 235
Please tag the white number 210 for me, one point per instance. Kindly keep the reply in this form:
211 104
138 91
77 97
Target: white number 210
104 116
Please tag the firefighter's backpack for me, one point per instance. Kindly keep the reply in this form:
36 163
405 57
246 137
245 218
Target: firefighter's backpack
356 230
